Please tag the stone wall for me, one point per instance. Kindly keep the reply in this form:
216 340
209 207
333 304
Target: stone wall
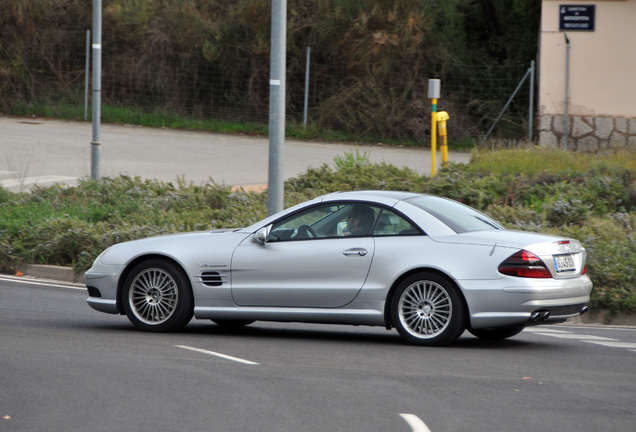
588 134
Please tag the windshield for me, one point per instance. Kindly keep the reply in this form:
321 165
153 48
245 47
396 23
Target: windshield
457 216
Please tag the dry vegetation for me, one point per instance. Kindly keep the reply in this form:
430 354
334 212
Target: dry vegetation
362 49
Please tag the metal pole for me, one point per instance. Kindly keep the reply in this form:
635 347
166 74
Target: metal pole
434 93
87 78
275 186
306 88
97 87
433 135
566 120
531 112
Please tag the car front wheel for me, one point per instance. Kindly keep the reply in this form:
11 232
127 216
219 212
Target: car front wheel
428 309
158 297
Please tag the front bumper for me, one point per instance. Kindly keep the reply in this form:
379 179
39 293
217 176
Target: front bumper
101 281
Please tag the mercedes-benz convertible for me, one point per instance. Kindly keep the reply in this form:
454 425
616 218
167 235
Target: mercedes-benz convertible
427 266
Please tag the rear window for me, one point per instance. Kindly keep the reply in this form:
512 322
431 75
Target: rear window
458 217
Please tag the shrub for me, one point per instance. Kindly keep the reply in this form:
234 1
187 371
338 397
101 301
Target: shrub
593 202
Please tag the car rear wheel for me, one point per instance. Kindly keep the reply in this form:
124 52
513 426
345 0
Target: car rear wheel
496 333
428 309
158 297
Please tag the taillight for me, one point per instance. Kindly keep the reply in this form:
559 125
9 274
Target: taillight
584 269
524 264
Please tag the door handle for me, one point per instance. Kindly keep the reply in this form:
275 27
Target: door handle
355 252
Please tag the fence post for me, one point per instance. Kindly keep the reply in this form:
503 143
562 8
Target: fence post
531 112
88 55
306 88
507 103
566 120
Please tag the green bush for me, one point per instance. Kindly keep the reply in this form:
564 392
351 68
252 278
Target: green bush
592 199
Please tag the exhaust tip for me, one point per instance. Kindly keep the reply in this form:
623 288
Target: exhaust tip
545 315
583 310
536 316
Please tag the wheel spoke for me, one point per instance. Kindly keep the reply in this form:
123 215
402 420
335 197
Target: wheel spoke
437 322
164 308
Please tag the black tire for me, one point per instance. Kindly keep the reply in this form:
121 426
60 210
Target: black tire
157 296
232 323
496 333
428 309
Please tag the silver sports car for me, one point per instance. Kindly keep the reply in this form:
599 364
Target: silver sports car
428 266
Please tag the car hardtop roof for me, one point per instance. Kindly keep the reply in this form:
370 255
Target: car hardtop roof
397 195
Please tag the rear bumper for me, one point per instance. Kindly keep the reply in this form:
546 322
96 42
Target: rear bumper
512 301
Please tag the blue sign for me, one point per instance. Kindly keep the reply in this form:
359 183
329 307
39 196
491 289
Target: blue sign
577 17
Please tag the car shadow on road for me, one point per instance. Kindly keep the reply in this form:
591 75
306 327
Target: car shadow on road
318 332
346 334
298 332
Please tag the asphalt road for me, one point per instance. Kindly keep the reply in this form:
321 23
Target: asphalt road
66 368
47 151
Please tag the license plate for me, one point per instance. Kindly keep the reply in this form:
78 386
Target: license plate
564 263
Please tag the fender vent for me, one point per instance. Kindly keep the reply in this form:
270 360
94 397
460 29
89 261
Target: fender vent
211 278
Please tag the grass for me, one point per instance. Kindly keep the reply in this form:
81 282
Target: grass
124 115
127 115
532 161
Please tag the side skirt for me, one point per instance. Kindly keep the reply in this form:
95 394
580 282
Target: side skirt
307 315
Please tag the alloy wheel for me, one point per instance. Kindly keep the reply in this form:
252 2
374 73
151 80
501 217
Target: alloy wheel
425 309
153 296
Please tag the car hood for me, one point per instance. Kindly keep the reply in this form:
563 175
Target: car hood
177 246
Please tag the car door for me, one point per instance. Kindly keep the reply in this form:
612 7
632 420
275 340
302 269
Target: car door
296 268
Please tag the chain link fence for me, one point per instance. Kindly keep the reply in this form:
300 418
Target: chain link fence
363 104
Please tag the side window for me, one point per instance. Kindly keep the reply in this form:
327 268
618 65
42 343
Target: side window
327 221
390 224
360 220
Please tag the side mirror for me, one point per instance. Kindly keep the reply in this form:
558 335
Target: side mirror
262 235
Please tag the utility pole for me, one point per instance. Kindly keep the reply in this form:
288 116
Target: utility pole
97 88
275 186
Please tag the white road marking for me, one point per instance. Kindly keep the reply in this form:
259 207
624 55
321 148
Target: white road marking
543 330
416 424
227 357
617 344
42 282
602 327
598 340
578 336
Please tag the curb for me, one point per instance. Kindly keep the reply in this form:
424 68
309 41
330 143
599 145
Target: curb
605 318
57 273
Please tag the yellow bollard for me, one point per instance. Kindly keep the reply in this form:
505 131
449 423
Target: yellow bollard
442 117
